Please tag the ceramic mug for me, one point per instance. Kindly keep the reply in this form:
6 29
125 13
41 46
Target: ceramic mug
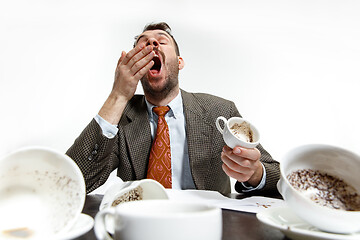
229 137
42 194
160 220
144 189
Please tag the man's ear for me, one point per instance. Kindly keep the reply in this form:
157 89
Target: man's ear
181 63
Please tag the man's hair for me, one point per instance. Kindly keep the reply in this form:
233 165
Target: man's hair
160 26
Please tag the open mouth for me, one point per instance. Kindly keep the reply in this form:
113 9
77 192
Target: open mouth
157 65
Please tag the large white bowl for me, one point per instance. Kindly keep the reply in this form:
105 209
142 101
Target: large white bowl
42 193
334 161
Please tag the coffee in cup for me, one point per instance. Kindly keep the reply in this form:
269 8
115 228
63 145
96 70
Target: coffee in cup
238 132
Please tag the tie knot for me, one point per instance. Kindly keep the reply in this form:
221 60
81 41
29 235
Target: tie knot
161 111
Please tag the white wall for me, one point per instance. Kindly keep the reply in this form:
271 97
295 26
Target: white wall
291 67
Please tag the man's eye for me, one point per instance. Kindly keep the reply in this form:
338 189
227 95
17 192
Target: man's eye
162 43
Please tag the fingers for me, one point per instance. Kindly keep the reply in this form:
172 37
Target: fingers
247 153
141 55
141 63
136 62
123 54
132 66
240 163
236 163
136 54
131 53
239 176
143 70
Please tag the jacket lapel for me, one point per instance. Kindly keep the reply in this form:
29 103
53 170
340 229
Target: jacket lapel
199 134
138 139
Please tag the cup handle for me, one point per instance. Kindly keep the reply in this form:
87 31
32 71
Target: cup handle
99 226
221 130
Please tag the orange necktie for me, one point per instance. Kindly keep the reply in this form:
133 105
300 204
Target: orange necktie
159 167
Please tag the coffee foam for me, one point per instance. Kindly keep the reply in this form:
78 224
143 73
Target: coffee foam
242 131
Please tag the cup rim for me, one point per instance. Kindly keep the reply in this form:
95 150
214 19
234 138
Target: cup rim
126 209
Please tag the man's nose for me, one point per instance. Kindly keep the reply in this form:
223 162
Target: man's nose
152 42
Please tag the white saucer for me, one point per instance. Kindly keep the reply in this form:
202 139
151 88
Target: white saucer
82 226
284 219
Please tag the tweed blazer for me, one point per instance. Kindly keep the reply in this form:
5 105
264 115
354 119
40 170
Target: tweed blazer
97 156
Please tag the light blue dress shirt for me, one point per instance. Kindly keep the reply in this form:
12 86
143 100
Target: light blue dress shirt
175 118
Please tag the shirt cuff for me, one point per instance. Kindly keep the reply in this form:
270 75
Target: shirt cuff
249 188
108 130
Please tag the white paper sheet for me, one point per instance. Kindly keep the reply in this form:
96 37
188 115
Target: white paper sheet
251 204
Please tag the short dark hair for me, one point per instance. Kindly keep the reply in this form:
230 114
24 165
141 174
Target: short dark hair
160 26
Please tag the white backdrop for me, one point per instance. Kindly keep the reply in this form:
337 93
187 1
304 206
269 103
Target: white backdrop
291 67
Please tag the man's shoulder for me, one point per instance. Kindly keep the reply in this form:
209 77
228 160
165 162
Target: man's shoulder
208 106
205 99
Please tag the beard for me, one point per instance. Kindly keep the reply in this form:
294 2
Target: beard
171 81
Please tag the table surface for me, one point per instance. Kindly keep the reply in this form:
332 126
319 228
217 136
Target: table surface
236 225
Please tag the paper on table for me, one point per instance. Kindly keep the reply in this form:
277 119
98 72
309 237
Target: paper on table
252 204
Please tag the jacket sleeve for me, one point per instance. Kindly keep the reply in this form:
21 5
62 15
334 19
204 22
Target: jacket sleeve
95 154
272 174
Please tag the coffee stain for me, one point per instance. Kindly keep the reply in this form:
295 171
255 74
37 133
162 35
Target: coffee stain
263 205
20 233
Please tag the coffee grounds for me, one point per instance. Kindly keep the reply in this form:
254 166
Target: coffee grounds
325 189
242 131
132 195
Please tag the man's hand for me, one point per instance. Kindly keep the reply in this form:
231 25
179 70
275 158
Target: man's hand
131 67
242 164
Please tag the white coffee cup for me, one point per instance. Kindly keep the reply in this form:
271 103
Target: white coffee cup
229 137
334 161
161 220
42 193
119 192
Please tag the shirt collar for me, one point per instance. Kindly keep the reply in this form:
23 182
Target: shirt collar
176 107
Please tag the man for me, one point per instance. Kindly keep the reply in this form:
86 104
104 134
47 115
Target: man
121 135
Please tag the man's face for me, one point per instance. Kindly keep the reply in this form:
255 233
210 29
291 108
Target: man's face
163 76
